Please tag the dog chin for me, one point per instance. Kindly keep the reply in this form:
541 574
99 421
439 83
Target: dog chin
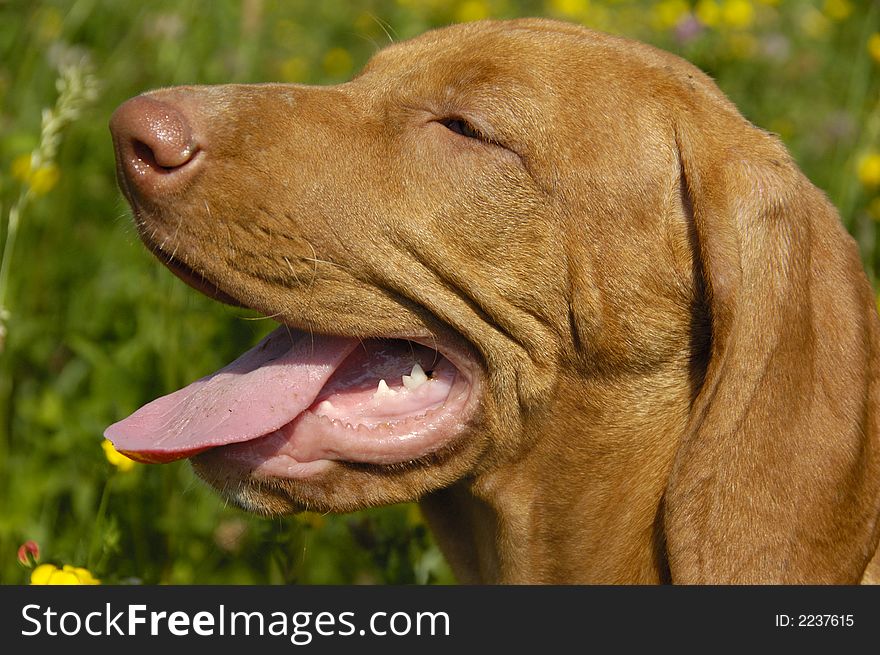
264 496
337 486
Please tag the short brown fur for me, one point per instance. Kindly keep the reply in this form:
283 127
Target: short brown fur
679 345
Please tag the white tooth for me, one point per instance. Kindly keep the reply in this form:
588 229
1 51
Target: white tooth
415 379
324 407
383 390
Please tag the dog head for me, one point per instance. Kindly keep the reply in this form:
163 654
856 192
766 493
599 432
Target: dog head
524 255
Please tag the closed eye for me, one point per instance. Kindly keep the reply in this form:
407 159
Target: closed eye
461 126
470 131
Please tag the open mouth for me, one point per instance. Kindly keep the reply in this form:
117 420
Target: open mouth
296 401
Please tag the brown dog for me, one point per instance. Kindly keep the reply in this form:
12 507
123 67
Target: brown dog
646 347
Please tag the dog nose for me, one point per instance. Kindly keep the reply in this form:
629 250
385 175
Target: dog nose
155 148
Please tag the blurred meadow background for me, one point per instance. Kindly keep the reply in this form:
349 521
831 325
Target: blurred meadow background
91 326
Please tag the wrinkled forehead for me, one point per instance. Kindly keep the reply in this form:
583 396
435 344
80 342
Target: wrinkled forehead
478 58
552 92
522 62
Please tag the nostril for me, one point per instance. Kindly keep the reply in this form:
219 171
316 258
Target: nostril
144 153
160 160
153 139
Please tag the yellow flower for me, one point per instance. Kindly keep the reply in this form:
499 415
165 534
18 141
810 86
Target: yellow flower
837 9
571 8
337 62
21 168
120 461
49 574
874 46
708 12
40 180
742 45
669 13
737 13
471 10
868 169
44 179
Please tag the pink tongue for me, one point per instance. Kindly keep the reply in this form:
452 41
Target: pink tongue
264 389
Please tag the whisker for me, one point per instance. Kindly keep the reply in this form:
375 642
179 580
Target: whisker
315 269
262 317
371 41
316 261
175 240
386 26
292 270
436 352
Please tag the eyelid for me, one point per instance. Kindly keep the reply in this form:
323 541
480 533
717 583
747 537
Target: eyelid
483 135
476 132
464 127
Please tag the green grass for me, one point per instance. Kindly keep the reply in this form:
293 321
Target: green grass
97 327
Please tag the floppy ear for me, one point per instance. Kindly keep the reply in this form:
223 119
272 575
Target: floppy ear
776 477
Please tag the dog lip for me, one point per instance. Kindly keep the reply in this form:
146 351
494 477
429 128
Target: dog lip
460 358
191 277
256 456
273 455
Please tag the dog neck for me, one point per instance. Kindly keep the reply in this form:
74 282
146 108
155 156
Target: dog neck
589 514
